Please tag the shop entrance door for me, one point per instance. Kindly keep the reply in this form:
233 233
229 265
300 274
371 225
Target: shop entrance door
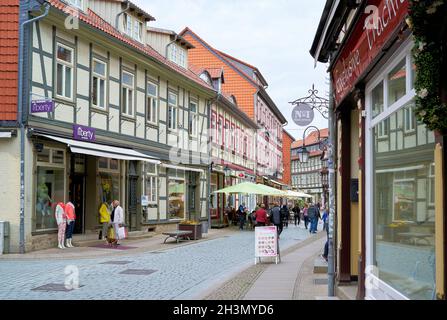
132 196
77 189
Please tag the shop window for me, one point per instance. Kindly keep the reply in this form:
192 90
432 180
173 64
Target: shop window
106 164
109 187
176 197
397 83
151 182
404 228
383 128
64 71
99 84
377 100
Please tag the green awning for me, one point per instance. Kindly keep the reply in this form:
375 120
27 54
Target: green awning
252 188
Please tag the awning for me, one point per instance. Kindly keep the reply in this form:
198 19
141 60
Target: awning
100 150
171 166
6 134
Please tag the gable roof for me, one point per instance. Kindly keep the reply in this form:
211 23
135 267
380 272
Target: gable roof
9 52
133 7
178 38
312 138
95 21
237 61
232 64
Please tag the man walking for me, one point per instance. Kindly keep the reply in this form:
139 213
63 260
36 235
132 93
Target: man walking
275 215
296 214
313 213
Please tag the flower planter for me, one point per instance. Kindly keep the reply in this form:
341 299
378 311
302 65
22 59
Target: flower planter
196 230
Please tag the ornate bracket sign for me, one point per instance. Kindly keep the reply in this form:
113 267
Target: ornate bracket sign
303 114
38 106
83 133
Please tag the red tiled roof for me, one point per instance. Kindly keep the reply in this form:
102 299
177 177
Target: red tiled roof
312 138
215 73
9 52
97 22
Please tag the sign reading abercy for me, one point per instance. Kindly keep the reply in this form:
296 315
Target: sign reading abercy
83 133
42 106
303 114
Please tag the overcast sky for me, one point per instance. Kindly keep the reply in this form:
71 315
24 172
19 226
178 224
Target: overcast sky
273 35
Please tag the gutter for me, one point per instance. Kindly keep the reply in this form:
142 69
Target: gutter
21 122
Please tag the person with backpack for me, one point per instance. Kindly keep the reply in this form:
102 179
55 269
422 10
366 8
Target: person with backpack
276 219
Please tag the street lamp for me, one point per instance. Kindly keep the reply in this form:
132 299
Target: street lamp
303 155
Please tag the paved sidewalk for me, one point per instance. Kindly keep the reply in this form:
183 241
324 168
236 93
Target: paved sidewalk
292 279
154 243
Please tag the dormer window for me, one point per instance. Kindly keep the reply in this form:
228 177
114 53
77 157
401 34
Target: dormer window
127 24
206 77
178 55
77 3
138 31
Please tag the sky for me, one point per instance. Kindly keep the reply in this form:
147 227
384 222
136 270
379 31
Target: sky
273 35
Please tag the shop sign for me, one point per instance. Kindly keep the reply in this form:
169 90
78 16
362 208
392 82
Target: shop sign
38 106
266 242
84 133
303 114
378 23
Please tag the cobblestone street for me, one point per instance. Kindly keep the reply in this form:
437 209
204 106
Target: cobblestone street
183 272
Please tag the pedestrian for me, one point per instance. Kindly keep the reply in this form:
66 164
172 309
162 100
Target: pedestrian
117 217
71 217
61 221
285 215
305 215
325 216
261 216
326 227
296 214
242 214
104 219
275 214
312 213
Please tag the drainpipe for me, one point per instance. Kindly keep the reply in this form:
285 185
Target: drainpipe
119 14
332 190
22 124
167 46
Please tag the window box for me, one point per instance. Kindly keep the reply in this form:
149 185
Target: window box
195 228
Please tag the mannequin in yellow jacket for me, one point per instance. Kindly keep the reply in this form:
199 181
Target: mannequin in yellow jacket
104 218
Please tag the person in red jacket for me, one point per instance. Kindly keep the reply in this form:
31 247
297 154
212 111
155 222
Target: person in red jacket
261 216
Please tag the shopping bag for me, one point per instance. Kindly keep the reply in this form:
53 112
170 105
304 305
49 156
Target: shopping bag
111 233
122 233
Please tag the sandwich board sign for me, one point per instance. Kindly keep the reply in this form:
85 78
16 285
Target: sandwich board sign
266 243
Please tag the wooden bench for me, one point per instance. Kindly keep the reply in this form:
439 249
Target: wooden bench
178 235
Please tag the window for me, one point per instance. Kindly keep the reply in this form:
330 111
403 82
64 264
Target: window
151 182
233 141
377 99
76 3
174 53
409 119
64 71
193 118
401 205
227 134
182 59
213 127
127 24
152 102
176 194
397 83
128 94
138 31
172 111
99 84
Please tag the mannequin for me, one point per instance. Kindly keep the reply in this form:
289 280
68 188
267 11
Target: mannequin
71 217
61 223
